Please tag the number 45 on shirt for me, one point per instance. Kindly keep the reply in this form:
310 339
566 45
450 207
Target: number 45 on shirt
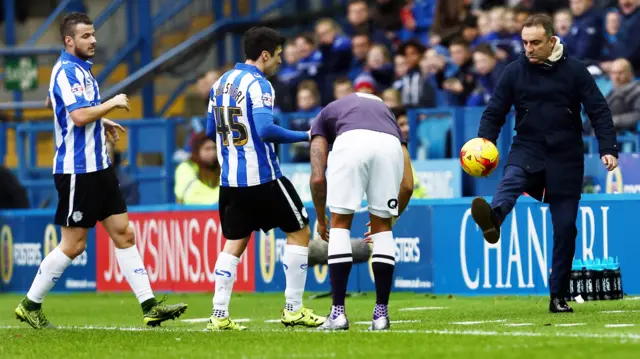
228 120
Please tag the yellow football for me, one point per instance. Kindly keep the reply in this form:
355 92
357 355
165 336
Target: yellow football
479 157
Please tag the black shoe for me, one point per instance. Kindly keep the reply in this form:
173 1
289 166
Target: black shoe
486 219
559 305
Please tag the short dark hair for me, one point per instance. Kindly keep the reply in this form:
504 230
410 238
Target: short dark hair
486 49
351 2
543 20
459 41
68 26
260 38
308 37
340 80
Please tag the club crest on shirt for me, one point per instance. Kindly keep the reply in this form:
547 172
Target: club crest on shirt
267 100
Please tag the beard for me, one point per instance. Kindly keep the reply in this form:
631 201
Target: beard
84 54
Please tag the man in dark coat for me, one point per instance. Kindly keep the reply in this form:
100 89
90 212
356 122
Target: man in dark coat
546 87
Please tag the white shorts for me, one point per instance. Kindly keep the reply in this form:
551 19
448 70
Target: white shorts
365 162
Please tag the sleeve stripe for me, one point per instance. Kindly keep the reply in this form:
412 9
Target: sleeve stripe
65 88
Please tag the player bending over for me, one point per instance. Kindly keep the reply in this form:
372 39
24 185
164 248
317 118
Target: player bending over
368 156
88 189
254 195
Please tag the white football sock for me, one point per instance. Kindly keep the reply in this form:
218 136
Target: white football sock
340 246
48 274
295 270
225 270
133 269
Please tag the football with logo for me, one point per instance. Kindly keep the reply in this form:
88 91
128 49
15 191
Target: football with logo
479 157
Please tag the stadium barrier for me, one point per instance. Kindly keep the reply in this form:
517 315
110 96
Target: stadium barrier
439 249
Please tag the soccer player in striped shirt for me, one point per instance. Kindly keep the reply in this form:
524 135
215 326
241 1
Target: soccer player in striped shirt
254 195
88 189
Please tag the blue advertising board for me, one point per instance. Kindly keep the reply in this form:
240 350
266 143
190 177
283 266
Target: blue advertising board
26 239
413 257
520 262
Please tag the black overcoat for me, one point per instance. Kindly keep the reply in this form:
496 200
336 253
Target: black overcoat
547 100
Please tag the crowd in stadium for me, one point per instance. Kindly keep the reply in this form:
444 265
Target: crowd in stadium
429 53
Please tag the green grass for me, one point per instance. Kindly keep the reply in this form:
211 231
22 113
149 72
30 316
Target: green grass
431 334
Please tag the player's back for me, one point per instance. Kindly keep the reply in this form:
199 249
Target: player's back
357 111
235 98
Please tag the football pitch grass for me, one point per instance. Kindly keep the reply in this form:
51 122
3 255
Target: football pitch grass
423 326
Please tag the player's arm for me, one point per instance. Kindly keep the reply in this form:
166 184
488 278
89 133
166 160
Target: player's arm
262 108
82 116
319 153
495 114
70 81
406 186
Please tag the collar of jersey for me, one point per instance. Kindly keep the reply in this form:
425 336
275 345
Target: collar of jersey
84 64
250 68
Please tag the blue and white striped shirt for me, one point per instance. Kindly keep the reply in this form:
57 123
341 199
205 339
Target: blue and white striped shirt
78 149
234 100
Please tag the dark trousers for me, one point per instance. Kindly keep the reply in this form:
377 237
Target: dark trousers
564 212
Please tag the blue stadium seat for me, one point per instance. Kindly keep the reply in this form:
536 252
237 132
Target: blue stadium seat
432 133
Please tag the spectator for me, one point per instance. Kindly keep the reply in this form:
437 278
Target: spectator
612 26
463 82
624 100
198 178
308 107
360 23
585 38
386 16
336 55
521 14
365 83
488 71
400 66
628 44
286 80
391 98
411 82
562 21
360 45
128 186
380 67
309 57
433 64
448 20
418 20
335 47
342 87
470 32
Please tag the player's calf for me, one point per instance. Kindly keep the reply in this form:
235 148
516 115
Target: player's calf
383 265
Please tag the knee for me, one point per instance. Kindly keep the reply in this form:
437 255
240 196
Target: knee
125 237
75 249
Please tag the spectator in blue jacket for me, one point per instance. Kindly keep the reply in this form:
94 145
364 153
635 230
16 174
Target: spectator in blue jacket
628 40
611 29
584 40
562 21
359 21
488 71
336 55
360 45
